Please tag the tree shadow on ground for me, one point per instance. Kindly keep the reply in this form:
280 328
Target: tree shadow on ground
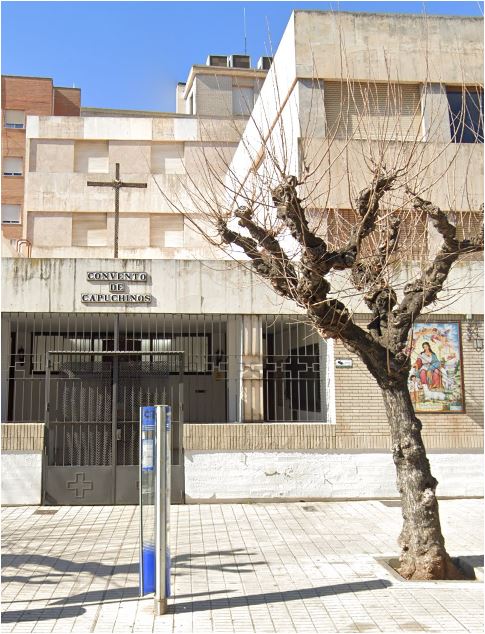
97 569
278 597
42 614
180 562
62 566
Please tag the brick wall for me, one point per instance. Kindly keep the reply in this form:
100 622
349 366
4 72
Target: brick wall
361 419
259 436
361 422
33 95
67 102
22 436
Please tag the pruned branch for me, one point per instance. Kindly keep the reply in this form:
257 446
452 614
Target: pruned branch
273 266
424 291
367 275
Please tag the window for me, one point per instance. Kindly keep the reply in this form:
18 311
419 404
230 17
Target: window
166 230
42 344
468 224
412 238
465 110
10 214
372 110
14 119
303 388
242 100
89 230
195 347
13 166
168 158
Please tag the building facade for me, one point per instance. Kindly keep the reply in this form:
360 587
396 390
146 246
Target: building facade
264 407
21 97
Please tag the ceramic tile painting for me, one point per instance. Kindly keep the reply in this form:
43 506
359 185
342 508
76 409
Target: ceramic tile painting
435 380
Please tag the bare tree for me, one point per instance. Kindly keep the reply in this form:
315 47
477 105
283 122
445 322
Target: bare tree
273 206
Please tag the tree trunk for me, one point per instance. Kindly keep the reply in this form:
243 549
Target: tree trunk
423 553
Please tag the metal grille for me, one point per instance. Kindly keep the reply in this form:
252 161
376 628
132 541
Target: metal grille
80 412
88 394
75 444
291 376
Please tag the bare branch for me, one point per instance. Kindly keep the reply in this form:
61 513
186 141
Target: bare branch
273 266
424 291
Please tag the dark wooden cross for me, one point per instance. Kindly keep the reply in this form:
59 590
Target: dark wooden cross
117 184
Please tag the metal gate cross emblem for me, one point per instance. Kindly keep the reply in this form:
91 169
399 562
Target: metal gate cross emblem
117 184
80 484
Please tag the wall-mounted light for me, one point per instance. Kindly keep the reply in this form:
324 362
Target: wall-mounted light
473 333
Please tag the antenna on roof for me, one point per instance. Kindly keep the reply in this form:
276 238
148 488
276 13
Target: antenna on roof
245 35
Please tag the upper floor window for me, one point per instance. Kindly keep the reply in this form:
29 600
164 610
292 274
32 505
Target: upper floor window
242 100
412 238
465 109
369 110
13 166
10 214
14 119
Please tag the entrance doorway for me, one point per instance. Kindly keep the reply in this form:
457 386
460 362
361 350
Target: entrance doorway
92 404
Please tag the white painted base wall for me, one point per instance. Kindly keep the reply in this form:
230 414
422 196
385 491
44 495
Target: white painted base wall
224 475
21 477
217 475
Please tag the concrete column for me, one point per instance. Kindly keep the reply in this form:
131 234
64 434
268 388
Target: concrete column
322 357
234 349
252 369
436 122
331 410
311 108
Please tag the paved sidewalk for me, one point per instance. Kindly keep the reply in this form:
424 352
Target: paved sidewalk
302 567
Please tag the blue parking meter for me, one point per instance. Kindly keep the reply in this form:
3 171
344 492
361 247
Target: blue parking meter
155 454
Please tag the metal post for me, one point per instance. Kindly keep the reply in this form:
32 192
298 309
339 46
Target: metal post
140 501
162 506
114 405
180 426
45 457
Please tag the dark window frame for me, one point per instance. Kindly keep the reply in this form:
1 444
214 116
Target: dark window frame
465 114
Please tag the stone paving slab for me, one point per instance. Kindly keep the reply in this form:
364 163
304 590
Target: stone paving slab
301 567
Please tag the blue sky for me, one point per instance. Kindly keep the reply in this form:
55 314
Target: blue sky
132 54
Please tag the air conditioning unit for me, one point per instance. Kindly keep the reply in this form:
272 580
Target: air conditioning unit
264 63
217 60
239 61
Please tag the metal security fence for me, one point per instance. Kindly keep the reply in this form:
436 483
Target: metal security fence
291 354
92 405
86 394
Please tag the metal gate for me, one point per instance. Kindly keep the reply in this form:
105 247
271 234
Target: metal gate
92 402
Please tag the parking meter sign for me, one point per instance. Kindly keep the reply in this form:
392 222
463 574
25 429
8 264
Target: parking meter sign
155 465
148 419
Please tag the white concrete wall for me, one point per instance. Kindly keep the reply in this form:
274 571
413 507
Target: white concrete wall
236 475
21 477
63 156
177 286
182 286
274 99
402 48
